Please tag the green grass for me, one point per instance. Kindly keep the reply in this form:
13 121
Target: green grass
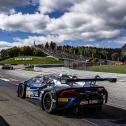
109 68
35 60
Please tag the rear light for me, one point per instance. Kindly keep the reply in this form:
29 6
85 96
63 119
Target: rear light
67 92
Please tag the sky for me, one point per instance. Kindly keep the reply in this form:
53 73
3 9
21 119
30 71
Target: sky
99 23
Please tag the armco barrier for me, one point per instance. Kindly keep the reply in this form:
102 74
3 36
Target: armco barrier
38 67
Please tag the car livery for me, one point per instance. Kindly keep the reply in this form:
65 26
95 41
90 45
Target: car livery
61 91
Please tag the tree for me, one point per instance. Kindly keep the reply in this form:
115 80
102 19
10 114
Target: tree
47 45
105 54
40 46
38 52
26 51
53 45
115 56
59 48
102 53
13 52
4 54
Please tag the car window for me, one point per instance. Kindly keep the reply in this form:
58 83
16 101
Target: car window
50 83
37 80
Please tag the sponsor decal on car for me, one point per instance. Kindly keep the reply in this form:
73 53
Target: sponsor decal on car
63 99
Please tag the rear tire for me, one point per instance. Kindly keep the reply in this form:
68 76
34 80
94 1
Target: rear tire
22 91
47 103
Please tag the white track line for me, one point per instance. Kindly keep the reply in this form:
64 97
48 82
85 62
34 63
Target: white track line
4 79
14 81
92 123
11 79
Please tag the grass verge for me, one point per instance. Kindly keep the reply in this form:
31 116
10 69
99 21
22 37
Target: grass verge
109 68
31 60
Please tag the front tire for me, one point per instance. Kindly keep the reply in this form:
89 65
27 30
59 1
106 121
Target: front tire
22 91
47 103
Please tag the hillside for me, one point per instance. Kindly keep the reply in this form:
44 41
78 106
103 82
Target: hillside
31 60
64 51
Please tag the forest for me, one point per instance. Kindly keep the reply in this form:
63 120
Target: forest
36 50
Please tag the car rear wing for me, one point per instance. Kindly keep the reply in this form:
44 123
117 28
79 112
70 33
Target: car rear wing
92 80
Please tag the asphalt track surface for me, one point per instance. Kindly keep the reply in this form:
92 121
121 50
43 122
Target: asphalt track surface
18 112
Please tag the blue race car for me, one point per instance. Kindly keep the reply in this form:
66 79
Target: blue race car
61 91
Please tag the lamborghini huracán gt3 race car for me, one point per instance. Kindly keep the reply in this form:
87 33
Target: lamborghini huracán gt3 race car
61 91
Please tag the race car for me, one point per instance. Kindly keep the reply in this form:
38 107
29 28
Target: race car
62 91
7 67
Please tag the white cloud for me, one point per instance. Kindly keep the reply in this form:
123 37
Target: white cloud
88 20
12 11
5 45
30 41
35 23
91 45
92 20
39 40
48 6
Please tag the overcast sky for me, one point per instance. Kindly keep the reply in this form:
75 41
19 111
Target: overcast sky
100 23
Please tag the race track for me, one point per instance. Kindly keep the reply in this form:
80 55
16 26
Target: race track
18 112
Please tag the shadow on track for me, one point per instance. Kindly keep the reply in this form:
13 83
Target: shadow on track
109 113
3 122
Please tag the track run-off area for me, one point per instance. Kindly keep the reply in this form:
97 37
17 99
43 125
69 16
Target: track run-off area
18 112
